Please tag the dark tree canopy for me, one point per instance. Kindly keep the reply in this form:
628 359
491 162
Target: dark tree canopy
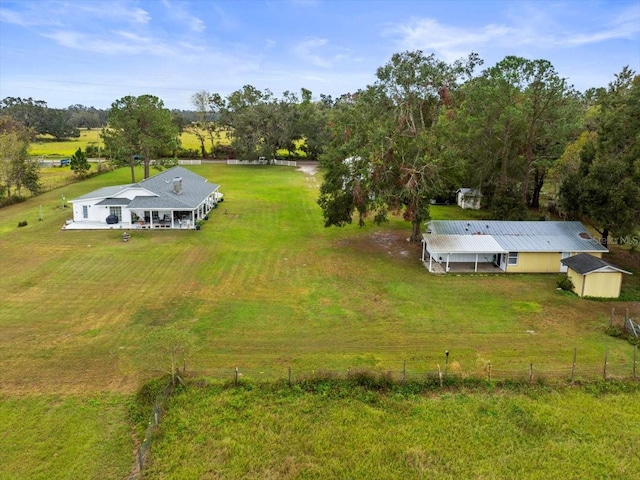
140 128
388 131
37 115
17 170
605 190
79 163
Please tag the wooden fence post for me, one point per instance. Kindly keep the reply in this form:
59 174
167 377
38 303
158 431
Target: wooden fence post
446 362
489 371
573 366
530 373
404 371
289 376
140 459
606 360
440 375
236 376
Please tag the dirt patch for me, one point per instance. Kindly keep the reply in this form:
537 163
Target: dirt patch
392 243
308 169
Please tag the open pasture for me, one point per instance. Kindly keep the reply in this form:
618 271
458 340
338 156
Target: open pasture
47 146
262 287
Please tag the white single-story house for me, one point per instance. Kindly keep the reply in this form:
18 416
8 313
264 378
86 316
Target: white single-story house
468 198
174 198
593 277
505 246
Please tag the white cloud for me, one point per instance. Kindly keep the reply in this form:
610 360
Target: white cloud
450 42
307 48
625 26
321 53
102 10
539 30
26 19
178 12
117 43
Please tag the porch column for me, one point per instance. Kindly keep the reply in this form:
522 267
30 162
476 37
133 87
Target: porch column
476 269
430 260
447 269
424 247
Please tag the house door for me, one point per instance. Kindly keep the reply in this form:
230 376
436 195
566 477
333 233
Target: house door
117 211
563 268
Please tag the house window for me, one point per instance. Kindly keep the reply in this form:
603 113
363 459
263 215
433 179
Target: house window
513 258
85 211
117 211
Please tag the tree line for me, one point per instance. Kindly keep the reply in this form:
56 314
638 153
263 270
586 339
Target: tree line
427 127
423 129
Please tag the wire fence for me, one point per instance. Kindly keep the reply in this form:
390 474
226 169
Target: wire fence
444 374
159 407
574 371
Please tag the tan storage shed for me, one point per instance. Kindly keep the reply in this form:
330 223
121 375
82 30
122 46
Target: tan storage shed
593 277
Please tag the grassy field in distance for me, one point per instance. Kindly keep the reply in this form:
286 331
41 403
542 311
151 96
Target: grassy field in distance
47 147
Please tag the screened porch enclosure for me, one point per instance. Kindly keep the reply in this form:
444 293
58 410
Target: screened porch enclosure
164 218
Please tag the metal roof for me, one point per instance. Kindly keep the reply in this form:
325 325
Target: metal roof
114 201
585 263
462 244
524 236
469 192
158 202
195 190
105 192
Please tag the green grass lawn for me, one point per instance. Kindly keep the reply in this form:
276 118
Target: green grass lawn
262 432
65 436
262 287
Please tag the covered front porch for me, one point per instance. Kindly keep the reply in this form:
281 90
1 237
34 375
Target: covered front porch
462 253
163 218
464 267
92 225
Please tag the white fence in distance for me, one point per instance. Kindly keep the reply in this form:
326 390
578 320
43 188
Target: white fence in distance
282 163
189 162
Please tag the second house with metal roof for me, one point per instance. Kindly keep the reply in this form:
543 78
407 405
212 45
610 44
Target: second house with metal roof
505 246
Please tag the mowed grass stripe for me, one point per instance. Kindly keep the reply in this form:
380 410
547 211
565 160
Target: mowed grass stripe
264 281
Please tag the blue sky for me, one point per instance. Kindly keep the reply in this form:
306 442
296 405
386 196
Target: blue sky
93 52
